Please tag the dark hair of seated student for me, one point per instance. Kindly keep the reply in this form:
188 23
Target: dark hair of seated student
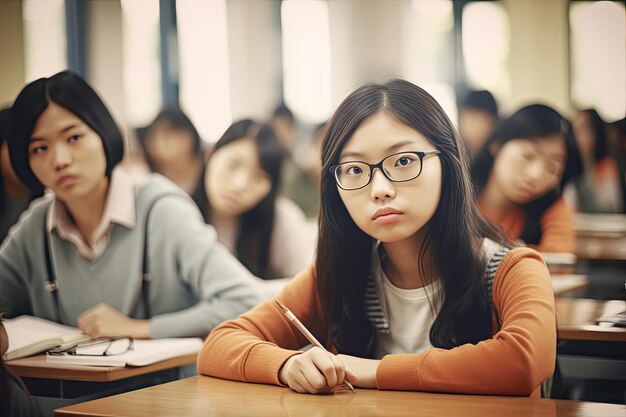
531 124
14 195
15 400
256 215
173 148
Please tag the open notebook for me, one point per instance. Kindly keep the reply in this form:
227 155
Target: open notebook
144 352
30 335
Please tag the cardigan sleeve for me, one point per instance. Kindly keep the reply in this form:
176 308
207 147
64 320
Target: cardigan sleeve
513 362
254 347
557 229
185 252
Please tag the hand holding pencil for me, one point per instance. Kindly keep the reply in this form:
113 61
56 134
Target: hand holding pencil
315 370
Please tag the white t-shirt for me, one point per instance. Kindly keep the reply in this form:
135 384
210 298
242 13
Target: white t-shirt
410 314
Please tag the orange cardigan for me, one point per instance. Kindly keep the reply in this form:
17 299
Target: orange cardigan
557 225
518 357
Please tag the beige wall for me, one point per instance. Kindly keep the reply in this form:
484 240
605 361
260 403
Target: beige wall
11 51
103 27
539 53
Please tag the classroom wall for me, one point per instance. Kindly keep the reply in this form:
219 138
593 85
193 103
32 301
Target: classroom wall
12 70
539 53
366 44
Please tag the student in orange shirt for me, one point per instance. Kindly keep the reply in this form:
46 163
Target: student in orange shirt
411 289
520 174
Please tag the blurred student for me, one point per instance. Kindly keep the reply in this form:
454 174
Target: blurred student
172 147
520 173
301 184
283 123
411 287
14 398
478 115
267 233
598 189
14 195
108 253
617 142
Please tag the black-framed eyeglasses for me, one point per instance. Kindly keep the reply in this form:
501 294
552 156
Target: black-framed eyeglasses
98 347
397 167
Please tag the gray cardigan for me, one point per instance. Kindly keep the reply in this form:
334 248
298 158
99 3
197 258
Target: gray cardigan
196 283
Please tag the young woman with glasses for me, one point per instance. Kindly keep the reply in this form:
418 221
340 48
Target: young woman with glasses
269 234
411 289
112 254
520 174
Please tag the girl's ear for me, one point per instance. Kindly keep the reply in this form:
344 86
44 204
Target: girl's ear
494 149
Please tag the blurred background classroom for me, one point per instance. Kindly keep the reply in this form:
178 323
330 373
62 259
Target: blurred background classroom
291 62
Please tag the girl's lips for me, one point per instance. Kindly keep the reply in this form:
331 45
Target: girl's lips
387 218
67 181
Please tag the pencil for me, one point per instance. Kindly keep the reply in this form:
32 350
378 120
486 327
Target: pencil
307 334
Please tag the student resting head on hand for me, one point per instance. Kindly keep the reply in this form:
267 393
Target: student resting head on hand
411 288
269 234
520 174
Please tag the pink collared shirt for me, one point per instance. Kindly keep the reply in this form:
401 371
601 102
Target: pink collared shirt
119 208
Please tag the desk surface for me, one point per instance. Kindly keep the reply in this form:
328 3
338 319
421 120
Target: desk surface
37 367
576 316
204 396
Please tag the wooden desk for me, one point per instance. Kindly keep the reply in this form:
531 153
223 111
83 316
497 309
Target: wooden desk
204 396
600 236
576 318
56 385
37 367
568 283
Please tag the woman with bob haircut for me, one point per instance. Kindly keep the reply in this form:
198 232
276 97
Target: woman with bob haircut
269 234
520 174
111 254
411 289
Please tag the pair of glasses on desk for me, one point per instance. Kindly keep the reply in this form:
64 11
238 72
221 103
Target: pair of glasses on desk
97 347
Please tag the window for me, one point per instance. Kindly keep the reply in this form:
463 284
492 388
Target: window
428 50
598 57
45 50
486 40
306 59
204 65
141 60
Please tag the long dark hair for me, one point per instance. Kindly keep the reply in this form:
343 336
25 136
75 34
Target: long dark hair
531 122
455 231
71 92
177 119
255 225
